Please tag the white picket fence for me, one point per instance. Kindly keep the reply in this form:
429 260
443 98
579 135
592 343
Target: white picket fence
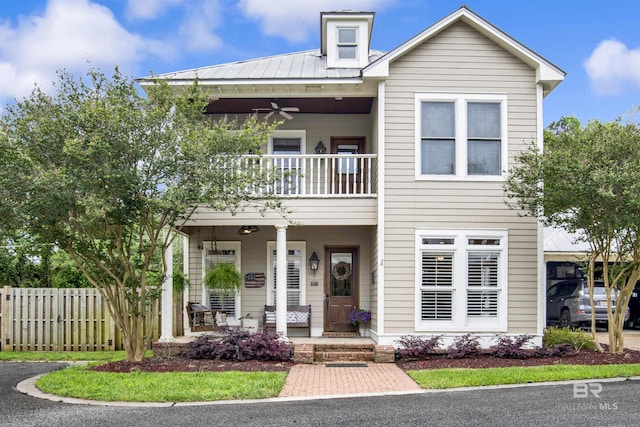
50 319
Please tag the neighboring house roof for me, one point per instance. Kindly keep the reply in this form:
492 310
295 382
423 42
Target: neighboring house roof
300 65
557 240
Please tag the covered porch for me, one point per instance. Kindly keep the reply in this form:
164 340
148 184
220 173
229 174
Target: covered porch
326 268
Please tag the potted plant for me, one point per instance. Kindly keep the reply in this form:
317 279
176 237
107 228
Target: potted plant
224 278
357 316
249 323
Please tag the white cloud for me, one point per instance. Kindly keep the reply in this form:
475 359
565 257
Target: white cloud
196 28
68 34
149 9
613 67
294 19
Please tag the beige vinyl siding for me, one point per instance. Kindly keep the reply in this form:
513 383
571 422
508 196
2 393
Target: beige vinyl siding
458 60
316 211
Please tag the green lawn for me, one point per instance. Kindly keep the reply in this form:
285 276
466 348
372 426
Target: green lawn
451 378
162 387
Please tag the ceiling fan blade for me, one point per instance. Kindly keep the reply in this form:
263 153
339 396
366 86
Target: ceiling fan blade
269 114
292 109
274 106
286 115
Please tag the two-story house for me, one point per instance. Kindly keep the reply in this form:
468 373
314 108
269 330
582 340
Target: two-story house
398 163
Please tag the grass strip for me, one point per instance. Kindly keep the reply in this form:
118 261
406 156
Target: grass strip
82 383
62 356
464 377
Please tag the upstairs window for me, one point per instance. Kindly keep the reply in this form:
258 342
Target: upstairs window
483 138
347 43
460 136
286 146
438 145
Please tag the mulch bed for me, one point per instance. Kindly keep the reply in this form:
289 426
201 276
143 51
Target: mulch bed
182 364
583 357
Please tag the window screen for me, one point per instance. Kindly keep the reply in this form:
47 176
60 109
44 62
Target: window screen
438 138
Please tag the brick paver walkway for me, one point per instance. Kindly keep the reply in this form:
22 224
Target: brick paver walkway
322 380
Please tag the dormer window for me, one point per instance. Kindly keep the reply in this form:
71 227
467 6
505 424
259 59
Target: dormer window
345 37
347 43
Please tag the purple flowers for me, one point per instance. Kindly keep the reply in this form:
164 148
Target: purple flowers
359 316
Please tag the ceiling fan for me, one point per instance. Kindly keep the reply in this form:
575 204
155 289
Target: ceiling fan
275 108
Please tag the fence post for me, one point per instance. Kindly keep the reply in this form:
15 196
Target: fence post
5 316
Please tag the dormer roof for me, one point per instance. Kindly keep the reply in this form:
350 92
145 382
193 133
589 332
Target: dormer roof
344 15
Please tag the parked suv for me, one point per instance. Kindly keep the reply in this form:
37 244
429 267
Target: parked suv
634 308
568 303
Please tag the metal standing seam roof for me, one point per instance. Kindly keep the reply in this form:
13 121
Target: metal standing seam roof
299 65
560 240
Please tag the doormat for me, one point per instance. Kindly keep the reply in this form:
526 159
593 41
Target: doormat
345 365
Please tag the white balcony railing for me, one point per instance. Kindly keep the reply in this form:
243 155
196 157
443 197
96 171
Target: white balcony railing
317 175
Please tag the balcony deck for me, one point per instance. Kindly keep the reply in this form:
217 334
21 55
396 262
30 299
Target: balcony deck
320 190
317 175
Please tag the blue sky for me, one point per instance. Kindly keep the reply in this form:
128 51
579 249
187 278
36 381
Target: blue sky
596 42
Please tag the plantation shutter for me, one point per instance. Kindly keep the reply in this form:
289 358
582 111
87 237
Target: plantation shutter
482 284
437 286
294 262
222 300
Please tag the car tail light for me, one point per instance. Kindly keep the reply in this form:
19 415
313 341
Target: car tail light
580 311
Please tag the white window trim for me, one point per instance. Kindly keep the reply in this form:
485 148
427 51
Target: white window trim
460 322
223 245
293 133
460 101
300 245
362 53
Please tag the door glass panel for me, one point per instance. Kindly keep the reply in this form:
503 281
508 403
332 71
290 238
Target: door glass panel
341 274
348 166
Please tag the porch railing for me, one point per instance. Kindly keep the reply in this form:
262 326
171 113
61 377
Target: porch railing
322 175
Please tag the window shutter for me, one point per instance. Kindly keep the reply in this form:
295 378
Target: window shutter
437 305
437 272
482 292
293 276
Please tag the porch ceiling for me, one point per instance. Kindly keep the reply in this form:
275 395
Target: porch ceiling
355 105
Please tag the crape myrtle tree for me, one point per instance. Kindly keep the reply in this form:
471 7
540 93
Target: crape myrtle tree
587 181
102 171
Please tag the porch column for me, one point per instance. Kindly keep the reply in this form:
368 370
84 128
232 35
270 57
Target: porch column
166 327
186 241
281 280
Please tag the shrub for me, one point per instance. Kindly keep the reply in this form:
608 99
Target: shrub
238 345
417 347
511 348
578 339
464 346
559 350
